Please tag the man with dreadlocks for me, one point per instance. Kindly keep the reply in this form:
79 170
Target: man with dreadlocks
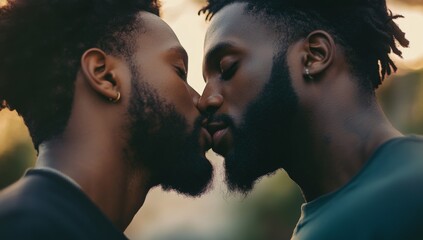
102 88
291 84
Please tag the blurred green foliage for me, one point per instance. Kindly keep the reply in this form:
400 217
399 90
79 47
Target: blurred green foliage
16 149
402 100
270 213
14 162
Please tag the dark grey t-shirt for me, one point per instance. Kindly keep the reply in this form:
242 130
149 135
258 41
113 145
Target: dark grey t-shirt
44 205
383 201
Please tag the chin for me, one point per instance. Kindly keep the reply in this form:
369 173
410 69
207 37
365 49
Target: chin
192 181
243 168
220 152
223 149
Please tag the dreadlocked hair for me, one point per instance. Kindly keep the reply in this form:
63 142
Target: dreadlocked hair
41 43
364 28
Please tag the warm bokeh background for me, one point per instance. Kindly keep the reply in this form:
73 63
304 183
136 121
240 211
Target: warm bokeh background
272 209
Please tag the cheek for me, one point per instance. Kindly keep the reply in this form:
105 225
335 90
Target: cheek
181 97
246 87
175 92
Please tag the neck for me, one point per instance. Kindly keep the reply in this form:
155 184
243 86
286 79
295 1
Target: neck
337 146
105 176
92 151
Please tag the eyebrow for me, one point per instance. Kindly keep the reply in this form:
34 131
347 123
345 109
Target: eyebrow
215 50
179 50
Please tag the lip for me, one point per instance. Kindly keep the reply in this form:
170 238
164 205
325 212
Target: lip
205 139
220 134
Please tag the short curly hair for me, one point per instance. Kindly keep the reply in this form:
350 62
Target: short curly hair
365 29
41 43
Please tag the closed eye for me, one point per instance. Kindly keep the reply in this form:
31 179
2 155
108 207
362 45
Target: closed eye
182 73
227 74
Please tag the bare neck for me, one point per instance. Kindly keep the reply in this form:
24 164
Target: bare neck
338 144
96 164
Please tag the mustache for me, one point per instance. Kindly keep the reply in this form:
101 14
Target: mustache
200 121
222 118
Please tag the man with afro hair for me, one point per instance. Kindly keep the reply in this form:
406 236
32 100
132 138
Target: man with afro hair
101 85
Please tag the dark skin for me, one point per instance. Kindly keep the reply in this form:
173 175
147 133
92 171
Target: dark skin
91 149
337 131
343 131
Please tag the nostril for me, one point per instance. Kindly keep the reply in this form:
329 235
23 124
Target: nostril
210 104
213 103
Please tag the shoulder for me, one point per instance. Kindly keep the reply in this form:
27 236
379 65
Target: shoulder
32 208
19 197
392 180
31 193
43 206
395 178
411 142
25 213
403 158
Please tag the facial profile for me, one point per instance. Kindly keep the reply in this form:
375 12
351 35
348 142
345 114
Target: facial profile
106 101
251 123
165 133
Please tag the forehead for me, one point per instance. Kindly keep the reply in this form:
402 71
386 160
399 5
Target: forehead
155 36
235 25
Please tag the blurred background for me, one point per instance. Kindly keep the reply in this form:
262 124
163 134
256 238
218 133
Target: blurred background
272 209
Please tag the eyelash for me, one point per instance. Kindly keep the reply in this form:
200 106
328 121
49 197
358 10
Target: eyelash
229 73
182 73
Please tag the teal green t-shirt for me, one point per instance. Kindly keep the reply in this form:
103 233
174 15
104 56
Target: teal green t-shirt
383 201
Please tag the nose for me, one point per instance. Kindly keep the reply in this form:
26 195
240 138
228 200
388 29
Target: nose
194 95
210 101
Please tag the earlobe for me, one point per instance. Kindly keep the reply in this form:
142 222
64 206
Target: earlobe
98 69
320 51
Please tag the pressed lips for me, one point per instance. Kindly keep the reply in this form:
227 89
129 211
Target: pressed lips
219 132
205 139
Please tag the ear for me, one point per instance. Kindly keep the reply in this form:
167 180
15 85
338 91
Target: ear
100 73
320 50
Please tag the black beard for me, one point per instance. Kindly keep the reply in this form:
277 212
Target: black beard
262 141
160 142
